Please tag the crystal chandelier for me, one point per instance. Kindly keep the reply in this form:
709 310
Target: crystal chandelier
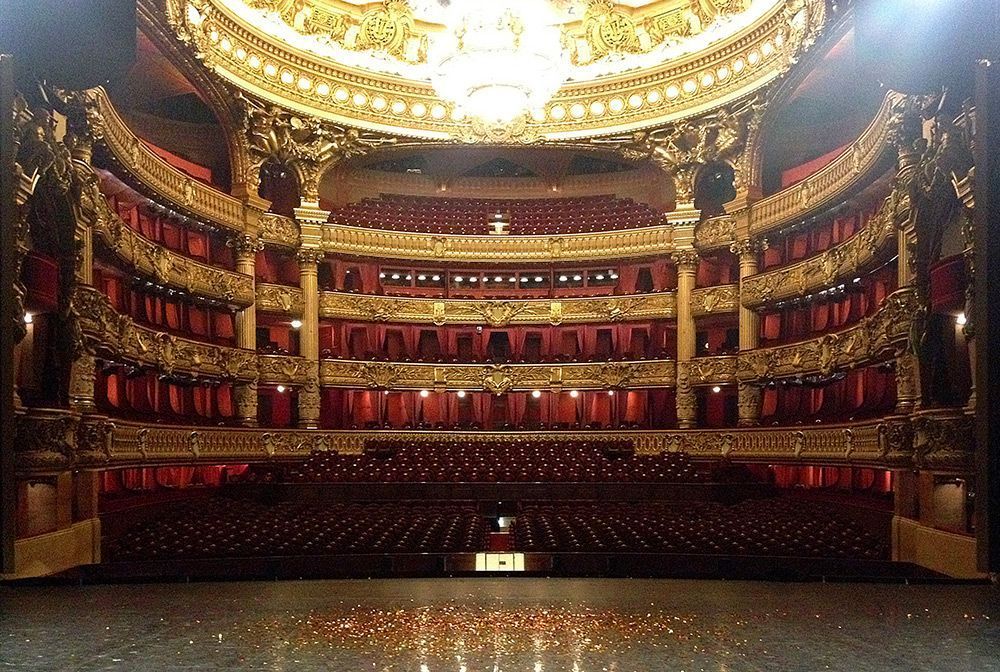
498 59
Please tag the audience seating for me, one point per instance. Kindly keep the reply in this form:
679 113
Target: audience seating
767 527
427 214
222 527
499 461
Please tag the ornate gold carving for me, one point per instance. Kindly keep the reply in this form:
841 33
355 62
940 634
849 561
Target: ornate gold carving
686 260
717 300
627 244
346 306
684 147
715 232
498 378
45 440
108 332
748 398
279 299
638 98
498 313
854 256
606 30
278 230
389 29
164 266
282 369
309 257
244 245
869 340
306 145
162 179
82 375
711 370
943 440
379 374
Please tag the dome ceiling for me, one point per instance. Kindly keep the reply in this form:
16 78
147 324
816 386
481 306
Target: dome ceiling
632 64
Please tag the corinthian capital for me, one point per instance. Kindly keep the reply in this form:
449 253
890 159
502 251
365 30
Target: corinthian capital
686 259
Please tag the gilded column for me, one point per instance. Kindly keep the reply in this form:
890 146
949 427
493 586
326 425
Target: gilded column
687 267
907 372
749 395
309 336
82 376
245 248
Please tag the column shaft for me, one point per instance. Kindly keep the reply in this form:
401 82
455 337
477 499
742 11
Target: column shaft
687 266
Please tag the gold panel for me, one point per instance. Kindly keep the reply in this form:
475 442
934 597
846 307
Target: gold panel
633 243
300 80
849 259
716 370
876 443
166 182
496 378
280 299
717 300
497 313
874 338
278 230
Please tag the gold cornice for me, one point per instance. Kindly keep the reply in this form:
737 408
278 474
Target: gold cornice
495 312
167 183
874 338
883 443
390 104
496 378
653 241
841 262
278 230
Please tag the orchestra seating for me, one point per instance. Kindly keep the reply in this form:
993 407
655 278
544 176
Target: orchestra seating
499 461
424 214
756 527
223 527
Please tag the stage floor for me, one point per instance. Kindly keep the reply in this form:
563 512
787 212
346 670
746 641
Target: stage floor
502 625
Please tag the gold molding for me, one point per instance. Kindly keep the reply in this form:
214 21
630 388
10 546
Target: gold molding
118 335
849 259
855 166
885 443
185 193
278 230
280 299
164 266
731 69
497 378
872 339
717 300
493 312
651 241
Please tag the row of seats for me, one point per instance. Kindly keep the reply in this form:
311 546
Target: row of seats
232 528
767 527
525 216
500 461
221 527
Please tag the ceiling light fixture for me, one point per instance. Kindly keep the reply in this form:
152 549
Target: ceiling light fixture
498 60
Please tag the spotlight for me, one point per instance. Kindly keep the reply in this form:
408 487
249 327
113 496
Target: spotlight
961 320
461 394
281 389
29 318
716 389
611 393
536 393
424 393
574 394
296 324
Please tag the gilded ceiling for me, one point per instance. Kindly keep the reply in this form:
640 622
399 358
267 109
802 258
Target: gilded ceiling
635 64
